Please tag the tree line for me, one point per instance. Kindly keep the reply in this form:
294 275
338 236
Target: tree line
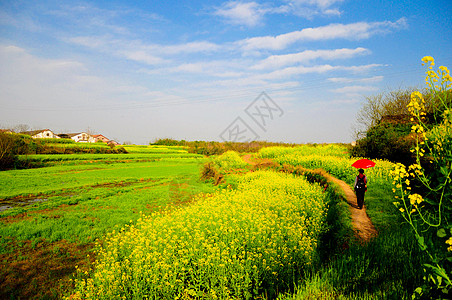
384 124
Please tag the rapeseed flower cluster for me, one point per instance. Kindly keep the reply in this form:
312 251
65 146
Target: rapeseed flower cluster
429 215
232 244
401 182
229 160
436 138
318 150
433 77
338 166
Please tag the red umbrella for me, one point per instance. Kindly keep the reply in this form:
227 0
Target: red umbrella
363 164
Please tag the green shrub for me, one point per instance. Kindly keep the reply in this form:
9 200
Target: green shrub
386 141
12 145
229 161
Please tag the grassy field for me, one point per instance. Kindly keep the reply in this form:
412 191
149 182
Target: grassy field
142 224
51 216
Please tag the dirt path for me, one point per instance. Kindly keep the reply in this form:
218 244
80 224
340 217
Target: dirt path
362 225
247 158
361 222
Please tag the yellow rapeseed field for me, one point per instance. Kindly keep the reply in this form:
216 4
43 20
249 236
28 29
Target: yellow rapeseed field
334 163
233 244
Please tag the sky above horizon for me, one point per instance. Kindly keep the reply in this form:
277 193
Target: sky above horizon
295 71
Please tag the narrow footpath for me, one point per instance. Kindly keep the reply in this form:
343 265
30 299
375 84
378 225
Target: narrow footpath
362 225
361 222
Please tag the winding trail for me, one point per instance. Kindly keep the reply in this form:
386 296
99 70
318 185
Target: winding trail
362 225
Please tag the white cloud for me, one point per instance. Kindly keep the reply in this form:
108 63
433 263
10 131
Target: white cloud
151 54
191 47
277 61
311 8
332 12
355 89
349 80
141 56
353 31
241 13
36 83
299 70
219 68
251 13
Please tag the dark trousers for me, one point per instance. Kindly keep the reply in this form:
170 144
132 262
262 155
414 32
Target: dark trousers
360 199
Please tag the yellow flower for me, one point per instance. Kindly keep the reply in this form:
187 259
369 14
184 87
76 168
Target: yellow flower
428 59
449 242
415 199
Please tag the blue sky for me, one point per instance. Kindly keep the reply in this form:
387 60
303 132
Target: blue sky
195 70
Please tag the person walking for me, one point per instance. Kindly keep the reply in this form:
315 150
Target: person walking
360 188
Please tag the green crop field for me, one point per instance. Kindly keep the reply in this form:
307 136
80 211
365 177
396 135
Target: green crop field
77 199
158 222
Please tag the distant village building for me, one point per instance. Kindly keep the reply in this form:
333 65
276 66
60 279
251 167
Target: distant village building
41 134
100 137
81 137
113 142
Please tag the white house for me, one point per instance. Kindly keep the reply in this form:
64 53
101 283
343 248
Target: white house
81 137
41 134
100 137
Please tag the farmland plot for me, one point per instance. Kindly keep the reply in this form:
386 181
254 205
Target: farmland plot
51 216
239 244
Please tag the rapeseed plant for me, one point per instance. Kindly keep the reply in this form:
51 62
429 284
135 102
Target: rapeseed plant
339 167
429 214
229 244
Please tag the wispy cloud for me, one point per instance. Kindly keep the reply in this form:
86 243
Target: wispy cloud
218 68
141 56
86 17
378 78
252 13
67 84
355 89
311 8
241 13
353 31
319 69
278 61
137 50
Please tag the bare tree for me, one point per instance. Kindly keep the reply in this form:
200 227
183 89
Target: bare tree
21 128
393 103
90 131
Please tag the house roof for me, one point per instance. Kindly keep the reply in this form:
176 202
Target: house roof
70 134
98 135
34 132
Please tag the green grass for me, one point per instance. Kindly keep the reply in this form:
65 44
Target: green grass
155 149
62 177
89 213
82 198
